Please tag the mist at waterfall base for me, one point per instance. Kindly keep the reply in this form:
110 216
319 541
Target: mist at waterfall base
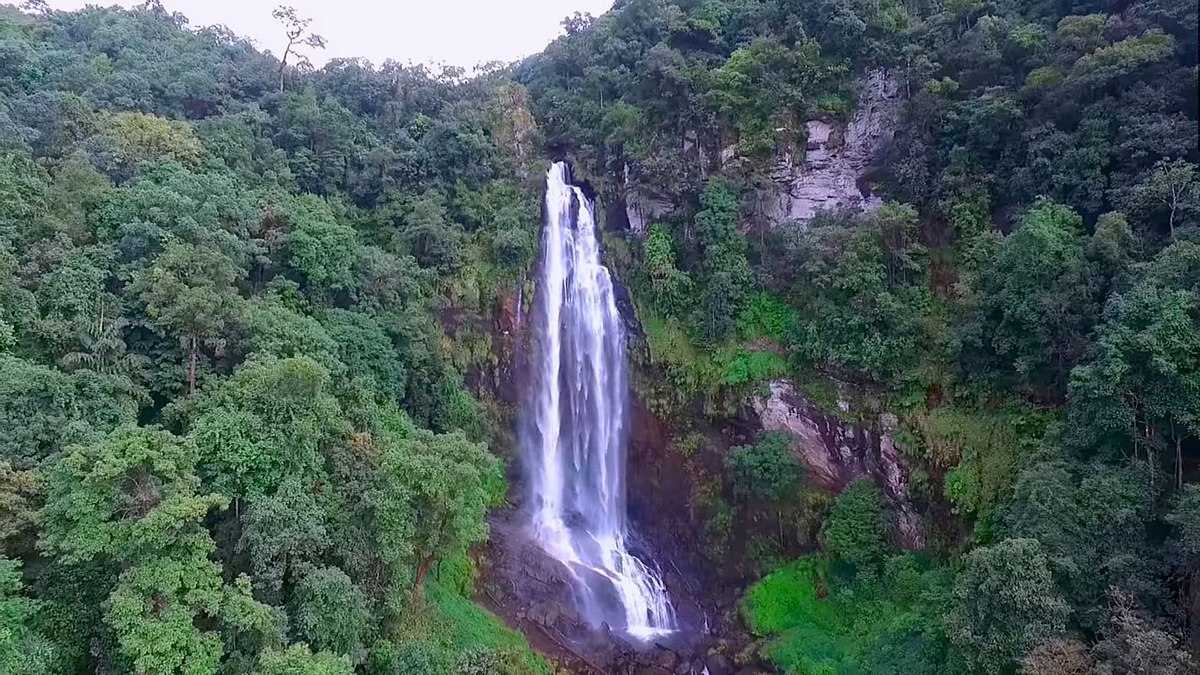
575 424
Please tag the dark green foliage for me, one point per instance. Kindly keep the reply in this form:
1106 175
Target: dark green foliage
854 531
768 470
723 260
331 613
42 409
1147 366
1132 643
1005 603
1073 517
368 352
1035 306
863 290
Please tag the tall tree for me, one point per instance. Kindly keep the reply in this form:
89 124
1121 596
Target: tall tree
190 291
295 28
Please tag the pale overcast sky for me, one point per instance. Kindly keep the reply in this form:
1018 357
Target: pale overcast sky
458 32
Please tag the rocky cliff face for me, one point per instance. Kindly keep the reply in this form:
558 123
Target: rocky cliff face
836 453
830 173
642 205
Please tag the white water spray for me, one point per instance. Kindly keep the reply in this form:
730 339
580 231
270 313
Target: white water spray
575 427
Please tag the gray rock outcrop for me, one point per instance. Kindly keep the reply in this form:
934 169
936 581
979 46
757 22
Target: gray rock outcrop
643 206
836 453
830 173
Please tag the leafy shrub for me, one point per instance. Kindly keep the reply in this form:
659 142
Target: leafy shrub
768 470
854 532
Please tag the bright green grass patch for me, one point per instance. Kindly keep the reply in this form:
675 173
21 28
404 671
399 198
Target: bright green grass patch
449 630
818 621
765 316
466 627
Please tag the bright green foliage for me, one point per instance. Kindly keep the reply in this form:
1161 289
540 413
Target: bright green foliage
133 498
429 503
184 244
768 470
320 248
855 530
985 450
1122 58
273 329
135 138
321 263
21 650
124 495
154 610
300 660
271 420
762 85
765 316
819 623
670 287
410 658
451 634
1005 603
719 373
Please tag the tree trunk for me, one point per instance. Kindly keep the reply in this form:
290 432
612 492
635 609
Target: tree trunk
1178 462
422 572
283 64
192 367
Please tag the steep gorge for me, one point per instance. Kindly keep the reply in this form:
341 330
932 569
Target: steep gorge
535 593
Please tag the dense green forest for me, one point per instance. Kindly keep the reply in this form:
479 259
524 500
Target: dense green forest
1026 302
233 436
247 422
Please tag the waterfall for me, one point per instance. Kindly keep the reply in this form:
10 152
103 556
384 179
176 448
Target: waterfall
576 427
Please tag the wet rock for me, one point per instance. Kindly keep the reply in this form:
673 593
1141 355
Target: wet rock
836 452
719 664
570 616
551 616
666 659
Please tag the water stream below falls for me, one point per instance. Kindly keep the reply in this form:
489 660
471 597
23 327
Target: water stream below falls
576 424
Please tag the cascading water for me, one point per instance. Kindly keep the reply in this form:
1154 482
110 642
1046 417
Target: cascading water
575 426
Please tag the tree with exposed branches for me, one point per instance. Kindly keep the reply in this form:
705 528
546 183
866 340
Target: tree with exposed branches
298 35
